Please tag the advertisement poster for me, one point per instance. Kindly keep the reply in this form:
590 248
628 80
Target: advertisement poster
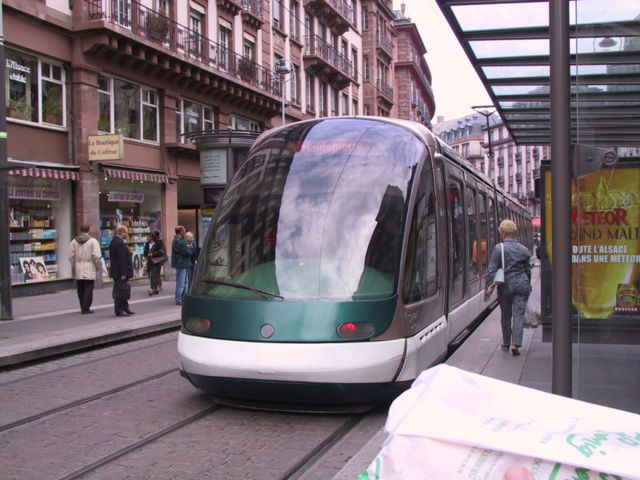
605 256
33 268
206 218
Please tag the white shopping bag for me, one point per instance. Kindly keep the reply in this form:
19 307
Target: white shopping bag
453 424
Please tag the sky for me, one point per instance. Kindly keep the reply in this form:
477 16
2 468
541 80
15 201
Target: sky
455 84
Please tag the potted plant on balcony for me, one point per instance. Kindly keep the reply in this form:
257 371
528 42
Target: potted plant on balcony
246 68
52 111
19 108
157 26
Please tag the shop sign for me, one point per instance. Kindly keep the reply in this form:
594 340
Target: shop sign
105 147
605 250
30 193
18 72
213 166
135 197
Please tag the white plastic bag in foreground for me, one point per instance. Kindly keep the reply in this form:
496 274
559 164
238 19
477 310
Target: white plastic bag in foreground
453 424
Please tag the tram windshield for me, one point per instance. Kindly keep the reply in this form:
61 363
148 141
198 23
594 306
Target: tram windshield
316 212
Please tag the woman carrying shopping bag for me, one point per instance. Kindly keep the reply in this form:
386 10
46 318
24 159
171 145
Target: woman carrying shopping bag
513 258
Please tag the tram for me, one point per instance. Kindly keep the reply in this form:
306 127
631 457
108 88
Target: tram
346 256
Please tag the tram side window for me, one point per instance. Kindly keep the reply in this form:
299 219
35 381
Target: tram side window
472 243
482 213
456 213
421 272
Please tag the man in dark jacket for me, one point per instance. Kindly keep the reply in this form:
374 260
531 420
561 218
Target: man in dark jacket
181 261
121 271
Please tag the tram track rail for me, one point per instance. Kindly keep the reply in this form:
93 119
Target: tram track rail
106 460
91 398
315 455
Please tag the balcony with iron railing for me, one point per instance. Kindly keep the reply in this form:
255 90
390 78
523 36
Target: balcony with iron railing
232 6
385 45
168 44
252 12
324 61
337 14
385 90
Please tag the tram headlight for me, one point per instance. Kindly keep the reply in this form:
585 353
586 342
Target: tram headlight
355 330
198 325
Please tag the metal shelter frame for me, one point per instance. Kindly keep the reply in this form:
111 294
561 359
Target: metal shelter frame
559 72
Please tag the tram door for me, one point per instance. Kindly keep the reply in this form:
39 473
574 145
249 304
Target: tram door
455 249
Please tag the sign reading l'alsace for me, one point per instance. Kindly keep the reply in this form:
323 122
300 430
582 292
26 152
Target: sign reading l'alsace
105 147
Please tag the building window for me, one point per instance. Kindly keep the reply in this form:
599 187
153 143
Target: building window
224 39
308 24
122 13
164 7
245 124
334 102
322 100
34 89
127 108
345 104
277 13
310 92
294 84
248 49
196 40
354 16
294 8
354 61
365 67
365 18
193 117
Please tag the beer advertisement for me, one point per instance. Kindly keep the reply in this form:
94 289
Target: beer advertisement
605 253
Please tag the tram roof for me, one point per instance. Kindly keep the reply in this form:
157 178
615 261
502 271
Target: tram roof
507 41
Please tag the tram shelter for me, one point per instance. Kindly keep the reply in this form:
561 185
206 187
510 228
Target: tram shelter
567 73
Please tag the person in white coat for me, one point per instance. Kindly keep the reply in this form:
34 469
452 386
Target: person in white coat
86 262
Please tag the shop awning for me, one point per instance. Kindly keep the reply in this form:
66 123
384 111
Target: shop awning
54 173
124 174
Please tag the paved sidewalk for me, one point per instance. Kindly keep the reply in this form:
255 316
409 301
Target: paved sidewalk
594 380
51 324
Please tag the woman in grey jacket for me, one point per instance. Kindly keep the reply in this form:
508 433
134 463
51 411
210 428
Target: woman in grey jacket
514 293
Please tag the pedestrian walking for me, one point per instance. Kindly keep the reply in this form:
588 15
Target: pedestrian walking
121 271
513 294
156 255
181 261
193 256
86 263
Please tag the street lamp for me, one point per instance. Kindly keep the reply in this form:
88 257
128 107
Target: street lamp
484 110
282 69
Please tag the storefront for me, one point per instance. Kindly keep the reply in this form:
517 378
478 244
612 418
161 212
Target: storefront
40 224
134 199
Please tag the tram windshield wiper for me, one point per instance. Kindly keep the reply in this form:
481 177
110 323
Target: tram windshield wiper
246 287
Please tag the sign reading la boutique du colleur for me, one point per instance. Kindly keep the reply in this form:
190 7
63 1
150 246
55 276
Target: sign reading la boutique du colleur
105 147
